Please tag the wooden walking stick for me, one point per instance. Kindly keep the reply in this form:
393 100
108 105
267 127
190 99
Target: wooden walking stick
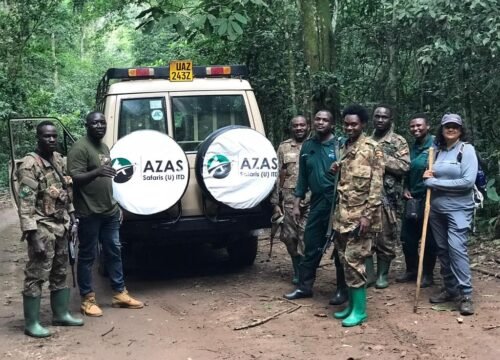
424 233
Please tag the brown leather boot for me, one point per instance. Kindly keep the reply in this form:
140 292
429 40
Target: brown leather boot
124 300
89 306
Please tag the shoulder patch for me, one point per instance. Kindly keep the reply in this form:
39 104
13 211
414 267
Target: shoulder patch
27 162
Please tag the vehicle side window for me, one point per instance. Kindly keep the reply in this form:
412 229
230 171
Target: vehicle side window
141 114
196 117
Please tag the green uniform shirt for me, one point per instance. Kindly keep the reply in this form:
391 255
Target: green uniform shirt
419 155
315 161
95 197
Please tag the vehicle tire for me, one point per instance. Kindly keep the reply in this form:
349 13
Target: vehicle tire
243 251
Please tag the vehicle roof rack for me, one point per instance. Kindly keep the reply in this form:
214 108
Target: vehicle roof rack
162 72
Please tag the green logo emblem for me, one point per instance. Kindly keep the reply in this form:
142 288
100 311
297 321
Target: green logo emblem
219 166
124 170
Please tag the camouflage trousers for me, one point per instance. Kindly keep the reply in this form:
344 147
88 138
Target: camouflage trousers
352 252
52 266
292 234
385 244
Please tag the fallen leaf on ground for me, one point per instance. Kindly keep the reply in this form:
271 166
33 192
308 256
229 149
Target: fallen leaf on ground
443 307
460 320
321 315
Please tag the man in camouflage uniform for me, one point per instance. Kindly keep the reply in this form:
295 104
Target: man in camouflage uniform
282 198
357 218
45 213
397 164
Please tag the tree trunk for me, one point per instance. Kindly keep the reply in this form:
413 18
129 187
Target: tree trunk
54 62
318 51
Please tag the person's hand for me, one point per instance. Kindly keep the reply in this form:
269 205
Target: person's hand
277 210
407 194
106 171
296 214
364 225
428 174
36 243
335 167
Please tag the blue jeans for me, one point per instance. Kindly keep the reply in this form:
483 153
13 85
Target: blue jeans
106 230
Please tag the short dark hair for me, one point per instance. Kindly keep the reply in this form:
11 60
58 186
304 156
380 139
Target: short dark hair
298 116
330 115
420 116
391 109
441 142
358 110
42 125
91 115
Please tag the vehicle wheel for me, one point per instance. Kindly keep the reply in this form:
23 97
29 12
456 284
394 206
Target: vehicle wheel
243 251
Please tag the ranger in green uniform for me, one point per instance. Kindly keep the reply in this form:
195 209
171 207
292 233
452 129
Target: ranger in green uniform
397 164
316 157
411 230
357 219
45 213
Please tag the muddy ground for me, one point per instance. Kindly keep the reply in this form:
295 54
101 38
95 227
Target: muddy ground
195 302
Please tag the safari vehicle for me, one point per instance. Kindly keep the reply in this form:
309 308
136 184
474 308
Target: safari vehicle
188 104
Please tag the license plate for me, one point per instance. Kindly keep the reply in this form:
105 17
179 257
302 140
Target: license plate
181 70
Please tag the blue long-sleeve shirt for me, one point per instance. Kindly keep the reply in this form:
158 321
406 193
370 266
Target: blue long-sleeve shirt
453 180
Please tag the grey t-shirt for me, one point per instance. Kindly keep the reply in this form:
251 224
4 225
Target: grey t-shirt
453 180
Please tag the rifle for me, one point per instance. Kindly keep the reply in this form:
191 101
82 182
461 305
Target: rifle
330 233
73 234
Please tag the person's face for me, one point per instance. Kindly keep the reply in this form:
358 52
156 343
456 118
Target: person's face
451 132
47 139
419 128
353 126
382 119
299 128
322 123
96 126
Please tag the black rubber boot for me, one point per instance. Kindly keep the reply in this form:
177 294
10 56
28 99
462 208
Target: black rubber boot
295 263
341 294
428 271
382 273
410 274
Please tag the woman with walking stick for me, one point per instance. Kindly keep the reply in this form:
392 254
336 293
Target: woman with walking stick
452 181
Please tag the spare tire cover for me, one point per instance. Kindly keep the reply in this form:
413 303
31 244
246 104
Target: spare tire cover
237 166
152 172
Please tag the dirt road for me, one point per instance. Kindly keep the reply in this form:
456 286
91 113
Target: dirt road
194 303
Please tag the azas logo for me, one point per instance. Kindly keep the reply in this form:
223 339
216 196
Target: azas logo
219 166
124 170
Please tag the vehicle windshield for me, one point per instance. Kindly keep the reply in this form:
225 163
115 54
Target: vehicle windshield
142 114
196 117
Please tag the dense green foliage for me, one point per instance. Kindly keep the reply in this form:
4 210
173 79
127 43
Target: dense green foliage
419 55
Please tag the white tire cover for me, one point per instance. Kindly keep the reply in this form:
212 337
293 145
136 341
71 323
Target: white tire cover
152 172
239 168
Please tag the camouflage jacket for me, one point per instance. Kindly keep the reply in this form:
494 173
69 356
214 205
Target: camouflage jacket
288 163
359 191
397 164
42 198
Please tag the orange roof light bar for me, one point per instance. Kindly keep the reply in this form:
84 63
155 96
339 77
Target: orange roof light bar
141 72
218 70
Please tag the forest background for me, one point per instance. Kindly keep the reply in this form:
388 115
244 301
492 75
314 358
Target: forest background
435 56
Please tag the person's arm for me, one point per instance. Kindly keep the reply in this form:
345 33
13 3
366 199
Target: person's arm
468 165
398 163
302 185
376 186
77 167
28 189
275 198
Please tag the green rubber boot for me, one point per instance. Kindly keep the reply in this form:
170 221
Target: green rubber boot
32 327
370 272
59 302
347 310
295 263
382 273
358 313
